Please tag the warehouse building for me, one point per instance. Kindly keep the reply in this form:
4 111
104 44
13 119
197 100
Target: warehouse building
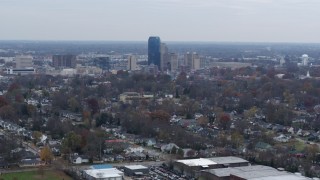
136 170
192 167
103 174
256 172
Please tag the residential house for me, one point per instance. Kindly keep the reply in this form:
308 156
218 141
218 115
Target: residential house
108 158
119 158
151 142
76 159
31 162
282 138
168 147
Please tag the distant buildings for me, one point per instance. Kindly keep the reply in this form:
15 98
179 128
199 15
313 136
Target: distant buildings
230 167
24 62
64 61
132 63
102 62
305 60
192 60
154 51
174 62
282 61
24 65
164 57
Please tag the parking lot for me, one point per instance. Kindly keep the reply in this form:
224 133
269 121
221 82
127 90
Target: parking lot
161 172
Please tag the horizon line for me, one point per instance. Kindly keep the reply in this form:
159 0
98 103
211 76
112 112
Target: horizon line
170 41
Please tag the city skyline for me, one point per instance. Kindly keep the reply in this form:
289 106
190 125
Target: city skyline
172 20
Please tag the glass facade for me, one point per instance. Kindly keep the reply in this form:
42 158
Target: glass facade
154 55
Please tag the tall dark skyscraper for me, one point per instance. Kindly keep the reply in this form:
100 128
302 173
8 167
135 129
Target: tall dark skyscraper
154 48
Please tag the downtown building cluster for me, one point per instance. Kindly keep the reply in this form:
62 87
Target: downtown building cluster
159 55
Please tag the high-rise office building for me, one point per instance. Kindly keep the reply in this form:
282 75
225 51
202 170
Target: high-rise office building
192 60
154 51
164 57
23 62
188 59
132 63
63 61
195 61
174 62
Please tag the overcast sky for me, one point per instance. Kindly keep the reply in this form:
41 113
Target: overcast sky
172 20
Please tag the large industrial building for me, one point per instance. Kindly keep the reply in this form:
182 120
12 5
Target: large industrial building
136 170
105 174
256 172
192 167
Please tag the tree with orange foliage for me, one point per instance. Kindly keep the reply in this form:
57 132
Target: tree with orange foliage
46 154
160 115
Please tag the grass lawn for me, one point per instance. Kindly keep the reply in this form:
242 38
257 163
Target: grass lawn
298 145
36 175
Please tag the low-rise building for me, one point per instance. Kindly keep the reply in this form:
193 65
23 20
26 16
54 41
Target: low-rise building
248 172
192 167
136 170
105 174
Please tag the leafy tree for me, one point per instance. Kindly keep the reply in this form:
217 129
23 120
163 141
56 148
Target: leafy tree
180 153
46 154
93 105
74 105
312 151
160 115
251 112
3 101
37 135
71 143
237 139
224 121
203 121
103 119
7 112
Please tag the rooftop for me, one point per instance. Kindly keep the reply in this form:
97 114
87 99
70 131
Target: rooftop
283 177
104 173
228 160
197 162
101 166
269 175
223 172
135 167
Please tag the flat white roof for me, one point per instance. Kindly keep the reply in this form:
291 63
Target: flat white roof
255 168
135 167
269 175
222 172
284 177
104 173
197 162
257 172
228 160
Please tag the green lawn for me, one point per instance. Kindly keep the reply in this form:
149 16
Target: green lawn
36 175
